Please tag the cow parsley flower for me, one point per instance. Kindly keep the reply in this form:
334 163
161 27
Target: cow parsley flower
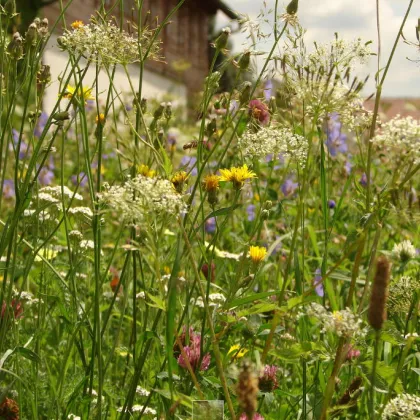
401 137
140 196
106 43
274 140
405 406
320 78
343 323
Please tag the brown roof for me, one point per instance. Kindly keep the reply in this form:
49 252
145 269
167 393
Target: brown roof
390 107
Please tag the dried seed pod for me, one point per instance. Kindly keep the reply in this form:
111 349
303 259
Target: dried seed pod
379 296
247 389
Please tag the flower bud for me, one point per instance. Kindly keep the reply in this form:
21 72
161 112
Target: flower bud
31 34
44 23
222 39
245 93
159 111
33 116
292 7
44 74
168 111
244 60
61 41
15 47
205 270
265 214
160 135
268 204
143 105
211 128
61 116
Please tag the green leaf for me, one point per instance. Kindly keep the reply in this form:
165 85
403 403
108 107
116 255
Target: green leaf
251 298
157 302
385 375
28 354
258 309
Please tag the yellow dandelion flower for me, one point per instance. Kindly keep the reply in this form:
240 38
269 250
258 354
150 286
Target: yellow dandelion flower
84 93
257 253
100 118
238 175
146 171
211 185
178 180
237 352
211 182
77 24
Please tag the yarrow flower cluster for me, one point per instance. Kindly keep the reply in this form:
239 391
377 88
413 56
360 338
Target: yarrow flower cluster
405 406
344 323
404 251
142 195
105 42
401 137
274 140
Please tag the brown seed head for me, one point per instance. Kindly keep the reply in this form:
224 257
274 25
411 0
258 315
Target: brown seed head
247 389
379 296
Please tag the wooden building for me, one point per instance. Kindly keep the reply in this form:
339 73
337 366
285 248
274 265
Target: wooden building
185 41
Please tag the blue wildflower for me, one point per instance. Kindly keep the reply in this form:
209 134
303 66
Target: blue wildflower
46 176
268 89
363 180
289 187
8 188
251 212
210 225
40 125
331 204
188 164
336 140
319 287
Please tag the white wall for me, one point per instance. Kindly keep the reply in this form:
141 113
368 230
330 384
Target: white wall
154 85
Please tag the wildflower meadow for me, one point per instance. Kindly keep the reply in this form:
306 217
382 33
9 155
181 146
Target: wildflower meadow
252 254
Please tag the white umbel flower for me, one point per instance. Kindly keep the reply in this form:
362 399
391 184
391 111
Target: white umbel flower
85 211
271 140
404 251
141 391
106 43
405 406
344 323
58 191
141 196
401 138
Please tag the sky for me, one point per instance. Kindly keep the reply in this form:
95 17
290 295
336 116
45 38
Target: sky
351 19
